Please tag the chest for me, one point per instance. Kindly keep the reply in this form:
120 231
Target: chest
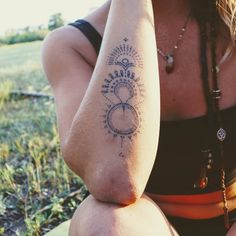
182 95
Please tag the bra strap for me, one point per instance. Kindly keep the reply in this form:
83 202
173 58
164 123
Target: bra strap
90 32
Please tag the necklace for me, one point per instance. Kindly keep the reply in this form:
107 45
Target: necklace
169 57
214 117
221 133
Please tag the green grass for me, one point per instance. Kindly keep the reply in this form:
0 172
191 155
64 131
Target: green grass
20 64
20 54
37 191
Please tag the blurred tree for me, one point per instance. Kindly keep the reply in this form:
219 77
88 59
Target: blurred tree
27 34
55 21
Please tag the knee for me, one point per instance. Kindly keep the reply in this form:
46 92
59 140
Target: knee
95 218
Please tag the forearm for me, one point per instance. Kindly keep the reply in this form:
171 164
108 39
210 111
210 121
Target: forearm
114 134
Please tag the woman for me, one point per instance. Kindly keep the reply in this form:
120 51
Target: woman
108 110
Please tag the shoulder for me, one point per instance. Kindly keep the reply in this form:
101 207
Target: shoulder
68 37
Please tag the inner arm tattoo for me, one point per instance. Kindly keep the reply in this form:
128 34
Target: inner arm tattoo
124 93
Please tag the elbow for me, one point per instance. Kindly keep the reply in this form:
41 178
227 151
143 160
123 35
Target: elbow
106 182
126 196
116 191
108 189
71 160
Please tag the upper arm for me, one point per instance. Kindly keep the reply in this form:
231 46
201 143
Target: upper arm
68 73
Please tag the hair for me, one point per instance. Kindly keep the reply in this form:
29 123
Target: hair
227 12
225 9
223 12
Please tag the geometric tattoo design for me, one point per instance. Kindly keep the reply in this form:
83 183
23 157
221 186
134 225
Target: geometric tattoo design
124 93
125 56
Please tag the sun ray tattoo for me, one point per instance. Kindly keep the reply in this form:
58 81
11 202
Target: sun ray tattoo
124 92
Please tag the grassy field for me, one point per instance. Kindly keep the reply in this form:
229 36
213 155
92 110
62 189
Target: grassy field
37 191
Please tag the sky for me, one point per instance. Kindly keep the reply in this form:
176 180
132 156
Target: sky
15 14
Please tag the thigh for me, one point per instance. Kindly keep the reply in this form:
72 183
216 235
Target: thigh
143 217
232 231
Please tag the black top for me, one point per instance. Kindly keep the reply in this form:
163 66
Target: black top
179 158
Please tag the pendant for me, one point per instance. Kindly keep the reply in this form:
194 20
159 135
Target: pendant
170 63
202 181
221 134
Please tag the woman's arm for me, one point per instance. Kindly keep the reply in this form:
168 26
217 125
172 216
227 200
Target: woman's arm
113 138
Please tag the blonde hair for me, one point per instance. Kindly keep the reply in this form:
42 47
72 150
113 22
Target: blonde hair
227 11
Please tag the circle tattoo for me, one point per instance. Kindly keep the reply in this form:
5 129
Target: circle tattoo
123 119
124 92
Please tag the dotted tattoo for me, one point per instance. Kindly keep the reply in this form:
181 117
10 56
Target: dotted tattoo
123 92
